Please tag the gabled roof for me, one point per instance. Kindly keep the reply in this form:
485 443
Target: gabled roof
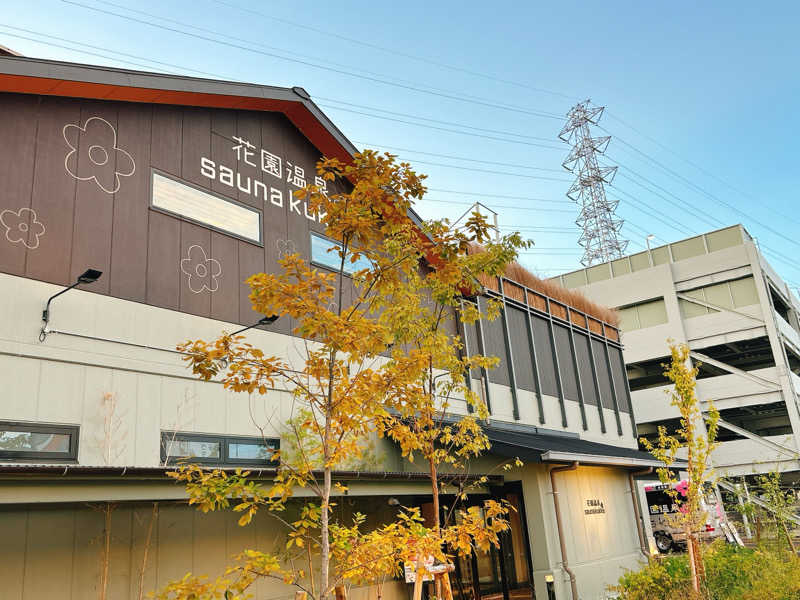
54 78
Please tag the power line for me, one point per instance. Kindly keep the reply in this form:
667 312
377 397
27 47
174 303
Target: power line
501 206
128 62
216 75
716 222
475 170
262 45
385 118
505 196
712 196
451 95
464 158
711 221
572 253
441 122
654 213
396 52
539 229
687 161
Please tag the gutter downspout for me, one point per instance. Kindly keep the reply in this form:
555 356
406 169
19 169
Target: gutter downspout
637 509
572 583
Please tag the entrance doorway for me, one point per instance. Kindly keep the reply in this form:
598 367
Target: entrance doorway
503 573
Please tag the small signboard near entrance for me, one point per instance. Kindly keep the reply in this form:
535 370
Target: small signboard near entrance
594 506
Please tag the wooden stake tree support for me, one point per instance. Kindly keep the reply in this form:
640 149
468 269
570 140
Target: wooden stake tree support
441 580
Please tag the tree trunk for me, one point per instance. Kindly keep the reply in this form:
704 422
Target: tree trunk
435 494
700 567
325 550
143 567
690 547
106 553
788 537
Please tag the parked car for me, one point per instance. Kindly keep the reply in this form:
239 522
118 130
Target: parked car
662 507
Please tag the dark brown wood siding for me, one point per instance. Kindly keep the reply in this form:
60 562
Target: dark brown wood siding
76 182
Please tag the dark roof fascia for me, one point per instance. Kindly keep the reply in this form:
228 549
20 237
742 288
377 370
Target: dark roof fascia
103 75
543 447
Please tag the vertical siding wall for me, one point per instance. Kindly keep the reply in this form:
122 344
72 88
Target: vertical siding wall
93 216
557 368
57 552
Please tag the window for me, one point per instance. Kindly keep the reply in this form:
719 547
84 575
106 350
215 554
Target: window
728 294
216 449
645 314
37 441
323 253
205 208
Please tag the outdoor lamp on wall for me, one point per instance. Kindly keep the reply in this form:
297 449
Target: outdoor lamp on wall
262 321
223 362
88 276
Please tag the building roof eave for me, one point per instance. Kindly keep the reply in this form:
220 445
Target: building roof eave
56 78
542 447
160 472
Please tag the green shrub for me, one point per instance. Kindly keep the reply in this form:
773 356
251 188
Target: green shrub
732 573
658 580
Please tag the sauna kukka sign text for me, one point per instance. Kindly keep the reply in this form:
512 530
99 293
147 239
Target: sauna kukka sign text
271 164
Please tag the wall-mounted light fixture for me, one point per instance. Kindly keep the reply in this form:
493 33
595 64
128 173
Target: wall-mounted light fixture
88 276
262 321
223 362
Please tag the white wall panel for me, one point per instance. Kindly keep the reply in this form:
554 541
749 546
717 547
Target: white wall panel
20 378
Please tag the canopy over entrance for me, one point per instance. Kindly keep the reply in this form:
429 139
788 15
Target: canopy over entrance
532 444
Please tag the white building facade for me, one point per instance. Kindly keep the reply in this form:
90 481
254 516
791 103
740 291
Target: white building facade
717 293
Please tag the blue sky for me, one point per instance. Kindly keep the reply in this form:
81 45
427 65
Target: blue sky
700 97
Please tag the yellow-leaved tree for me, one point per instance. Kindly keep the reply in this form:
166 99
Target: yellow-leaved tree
698 442
382 364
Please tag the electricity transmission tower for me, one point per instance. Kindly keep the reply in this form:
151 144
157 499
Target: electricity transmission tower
600 239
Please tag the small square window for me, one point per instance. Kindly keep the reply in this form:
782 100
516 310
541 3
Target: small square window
34 441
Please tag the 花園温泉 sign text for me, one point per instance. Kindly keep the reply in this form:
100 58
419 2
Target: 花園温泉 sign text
284 172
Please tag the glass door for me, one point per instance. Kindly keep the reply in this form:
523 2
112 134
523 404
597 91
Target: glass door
502 573
515 550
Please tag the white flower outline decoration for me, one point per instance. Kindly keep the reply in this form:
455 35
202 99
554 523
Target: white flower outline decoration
22 229
97 154
201 268
285 248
